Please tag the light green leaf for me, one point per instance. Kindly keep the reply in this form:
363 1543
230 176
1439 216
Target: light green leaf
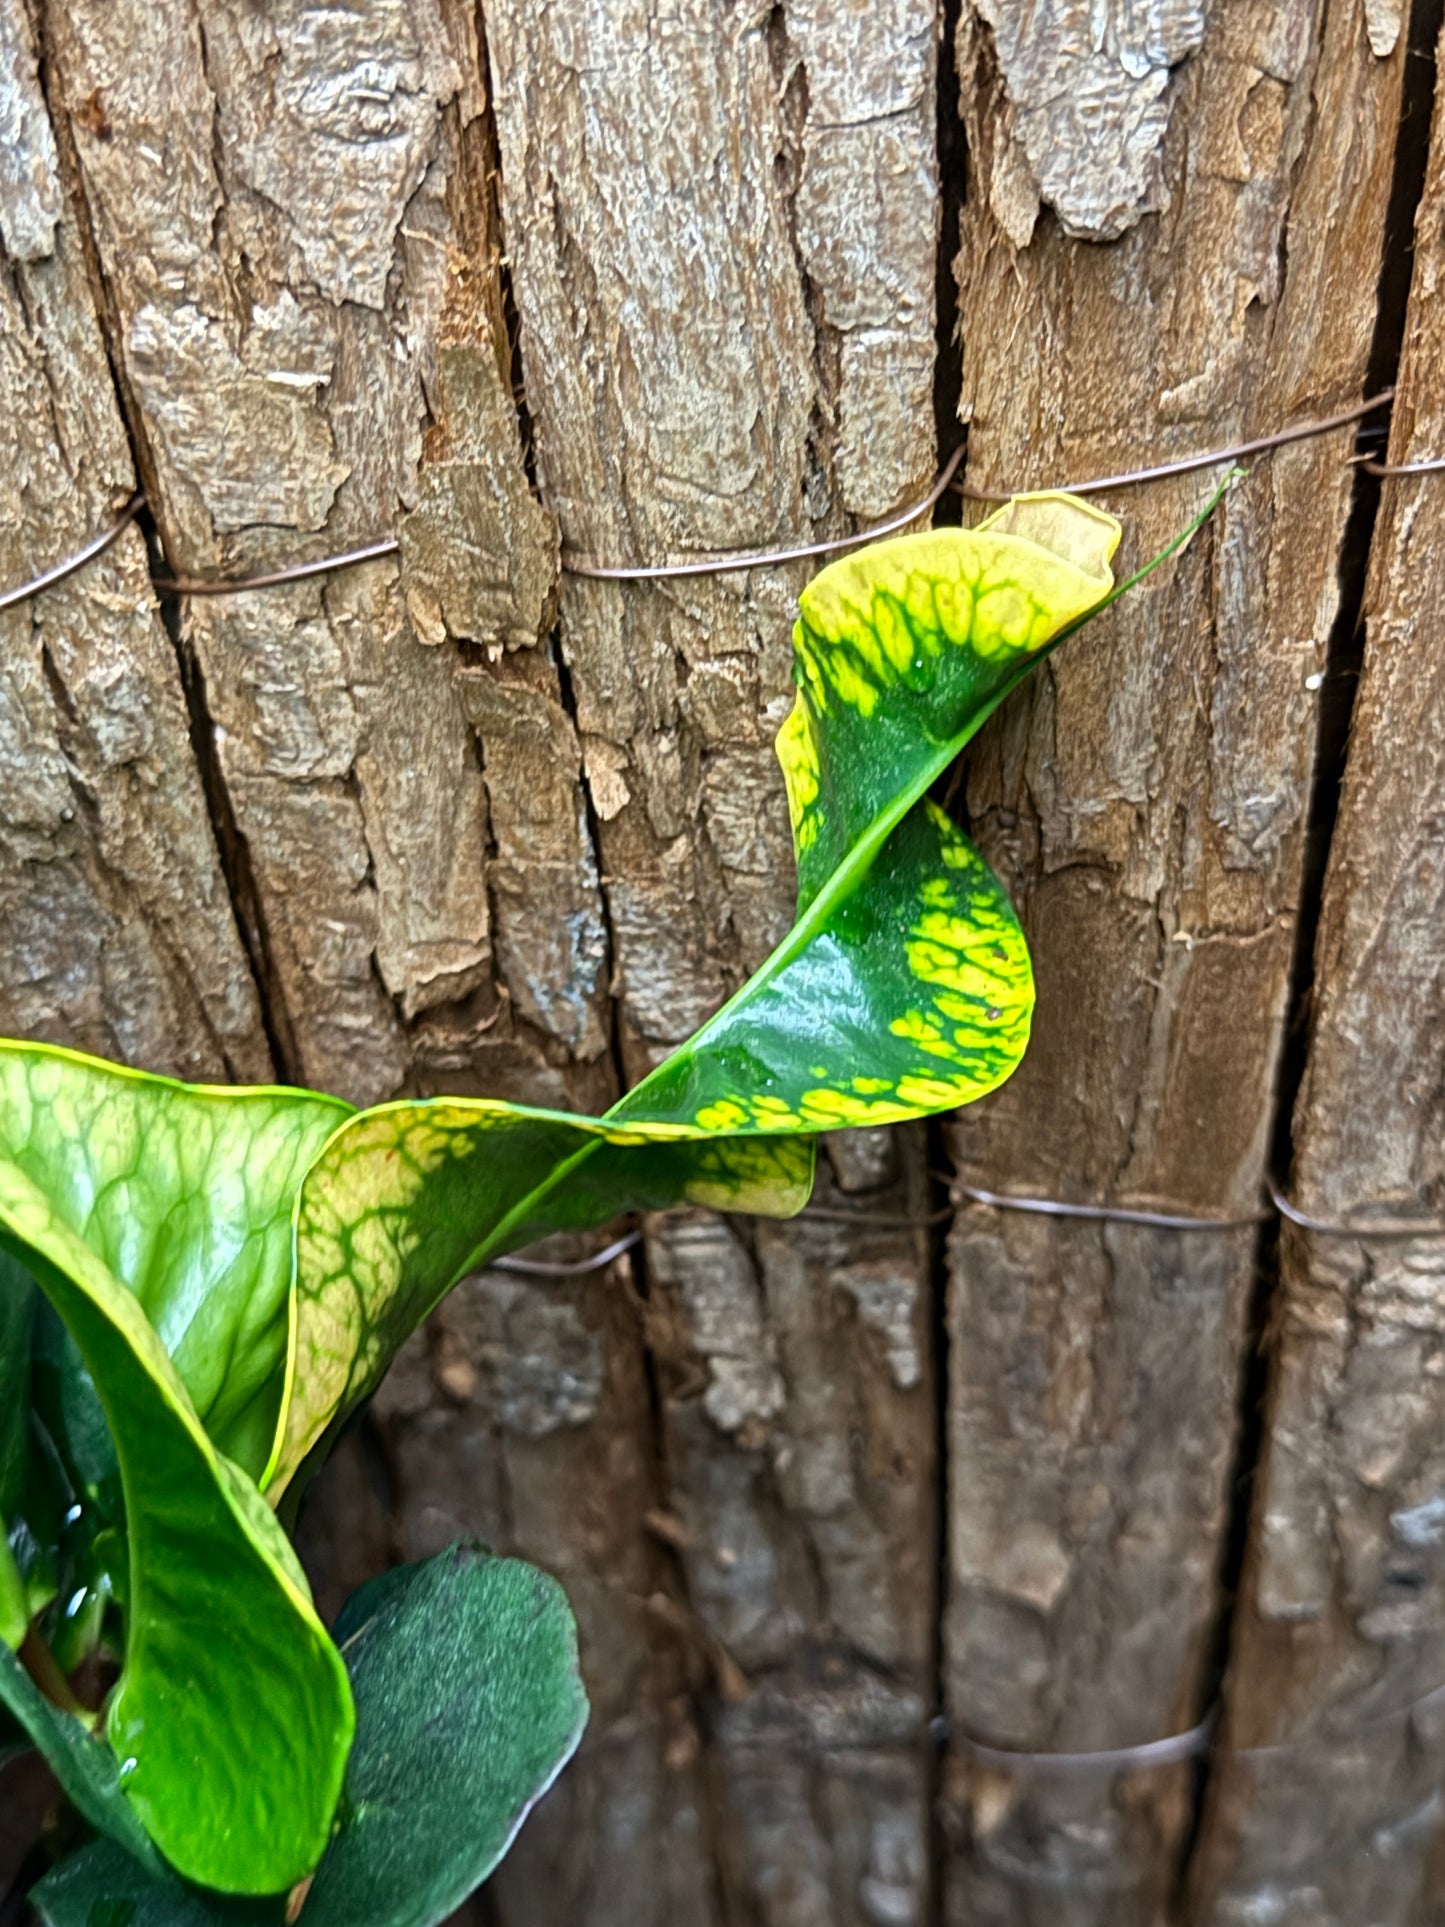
232 1717
468 1705
185 1193
410 1197
14 1595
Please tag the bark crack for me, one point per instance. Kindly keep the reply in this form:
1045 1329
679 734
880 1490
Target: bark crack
230 846
1258 1386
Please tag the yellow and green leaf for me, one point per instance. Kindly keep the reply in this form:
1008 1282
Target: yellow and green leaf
238 1268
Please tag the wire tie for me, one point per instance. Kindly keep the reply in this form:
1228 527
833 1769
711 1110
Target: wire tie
297 572
1302 431
1324 1228
97 546
1108 1213
573 564
540 1268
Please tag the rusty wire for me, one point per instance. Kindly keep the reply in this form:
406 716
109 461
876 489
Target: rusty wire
1212 458
727 562
96 546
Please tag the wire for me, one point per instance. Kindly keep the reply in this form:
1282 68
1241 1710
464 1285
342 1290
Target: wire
1175 1747
1301 431
298 572
92 549
1404 468
1344 1228
573 564
1108 1213
540 1268
724 563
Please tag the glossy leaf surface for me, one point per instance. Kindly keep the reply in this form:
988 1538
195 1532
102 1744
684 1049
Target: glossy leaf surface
409 1198
905 985
904 988
85 1767
185 1193
282 1247
232 1716
468 1705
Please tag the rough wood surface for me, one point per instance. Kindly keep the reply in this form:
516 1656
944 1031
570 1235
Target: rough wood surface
722 231
293 217
295 225
119 934
1144 803
798 1429
520 280
1342 1623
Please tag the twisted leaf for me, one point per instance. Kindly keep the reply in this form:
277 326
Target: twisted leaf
280 1247
232 1717
903 988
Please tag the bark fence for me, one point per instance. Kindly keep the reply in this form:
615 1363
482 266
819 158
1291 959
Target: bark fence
514 282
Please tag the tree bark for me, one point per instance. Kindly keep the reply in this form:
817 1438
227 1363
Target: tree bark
119 931
1340 1627
1144 802
722 229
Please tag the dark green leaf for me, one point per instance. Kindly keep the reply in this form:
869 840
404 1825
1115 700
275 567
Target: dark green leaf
468 1705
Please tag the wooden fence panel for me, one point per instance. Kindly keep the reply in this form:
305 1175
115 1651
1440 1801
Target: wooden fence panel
722 227
1342 1620
118 930
515 281
1144 802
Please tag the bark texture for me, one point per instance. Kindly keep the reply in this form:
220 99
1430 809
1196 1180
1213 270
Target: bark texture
1144 802
1343 1618
119 934
524 282
722 230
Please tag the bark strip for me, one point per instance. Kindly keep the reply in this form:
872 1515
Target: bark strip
1145 805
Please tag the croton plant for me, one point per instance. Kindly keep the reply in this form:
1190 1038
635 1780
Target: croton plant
199 1285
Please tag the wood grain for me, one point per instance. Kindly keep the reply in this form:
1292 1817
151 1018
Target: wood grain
1340 1624
1144 804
